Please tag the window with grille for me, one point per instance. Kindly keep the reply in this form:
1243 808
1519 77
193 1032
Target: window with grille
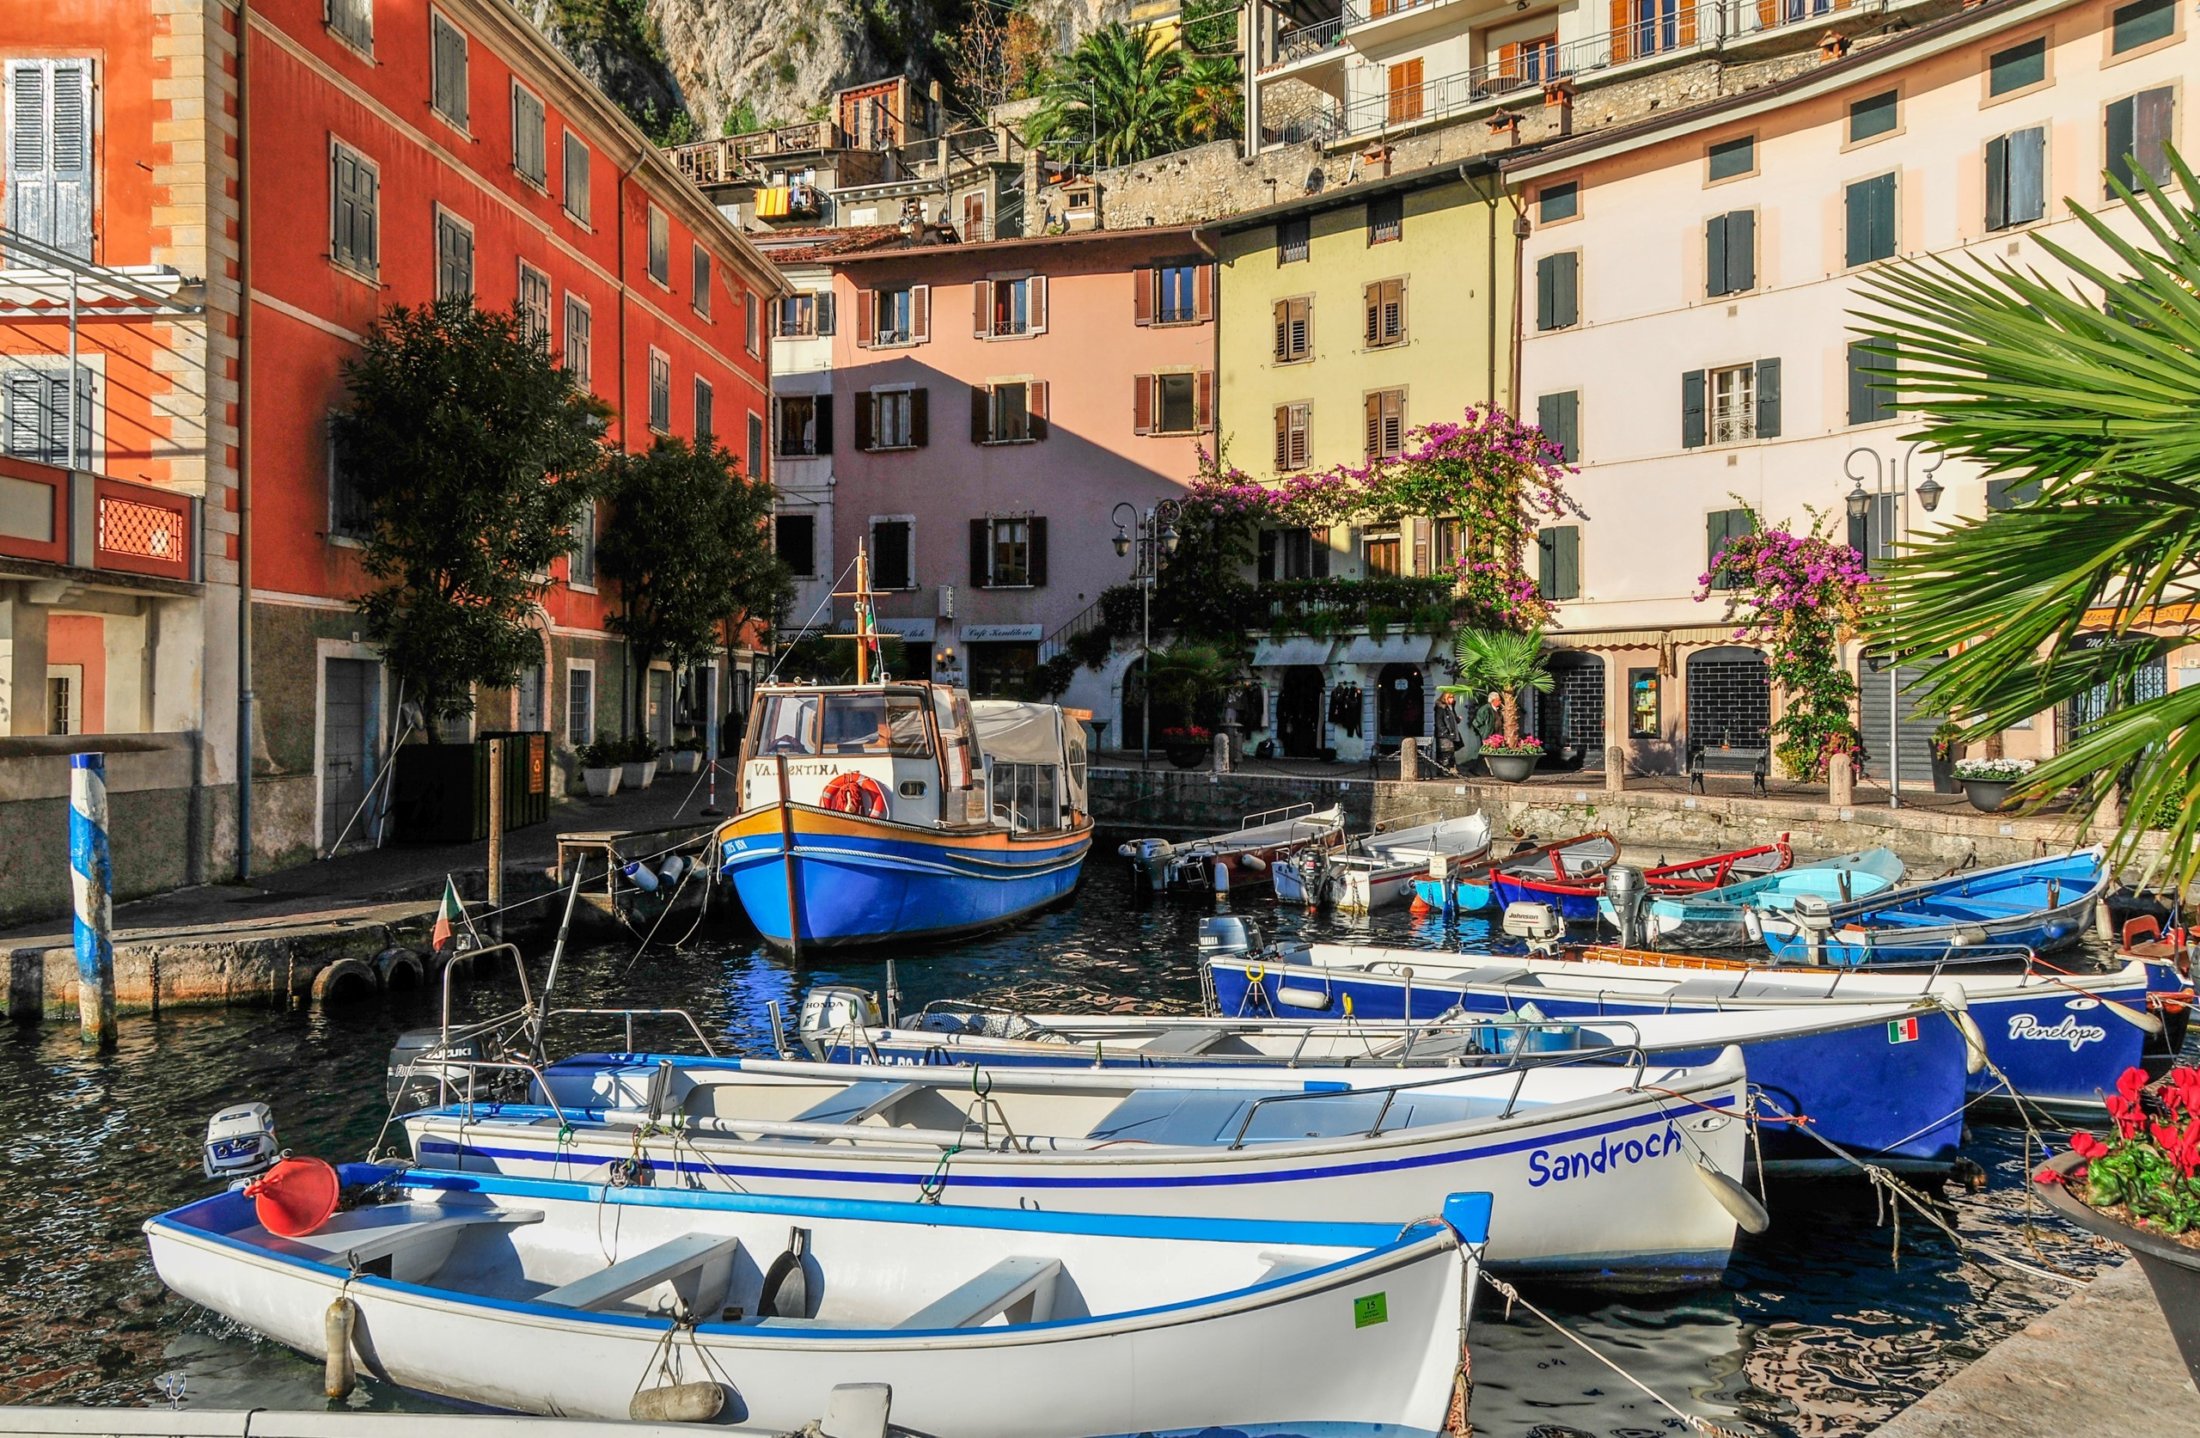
1294 330
699 279
1176 294
447 70
660 392
576 177
528 145
580 560
1294 424
534 303
1292 240
454 258
1386 219
580 704
353 22
354 211
660 247
1724 406
705 411
1012 307
1386 423
579 362
1386 314
1733 403
50 134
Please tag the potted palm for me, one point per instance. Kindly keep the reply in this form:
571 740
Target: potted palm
2140 1186
1502 663
638 761
1188 682
1987 782
600 772
1947 738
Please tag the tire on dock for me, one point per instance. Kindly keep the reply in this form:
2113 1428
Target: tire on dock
347 981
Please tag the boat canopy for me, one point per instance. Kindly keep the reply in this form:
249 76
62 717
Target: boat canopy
1015 732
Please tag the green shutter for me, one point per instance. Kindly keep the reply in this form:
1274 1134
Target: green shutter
1566 556
1861 407
1558 416
1997 182
1568 298
2027 175
1741 251
1546 563
1714 256
1692 418
1768 399
2120 143
1546 306
1870 220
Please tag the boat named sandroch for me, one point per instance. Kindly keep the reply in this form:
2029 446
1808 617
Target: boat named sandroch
1609 1153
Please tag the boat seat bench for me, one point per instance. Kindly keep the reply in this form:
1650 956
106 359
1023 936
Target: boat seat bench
364 1237
866 1098
1182 1043
998 1289
674 1258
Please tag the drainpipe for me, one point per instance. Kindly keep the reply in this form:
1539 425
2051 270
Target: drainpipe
633 705
244 439
1214 341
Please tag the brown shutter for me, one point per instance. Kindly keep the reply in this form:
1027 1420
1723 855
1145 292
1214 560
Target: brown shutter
1508 62
1623 37
1283 330
1372 299
1687 26
1142 287
919 425
1283 436
1397 317
920 314
1142 403
1036 395
1035 553
1038 305
981 309
1302 432
866 415
1203 293
1374 425
1203 413
1303 326
981 553
1394 421
981 428
1420 546
864 329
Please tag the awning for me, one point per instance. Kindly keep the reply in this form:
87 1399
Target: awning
1294 650
1391 649
1645 638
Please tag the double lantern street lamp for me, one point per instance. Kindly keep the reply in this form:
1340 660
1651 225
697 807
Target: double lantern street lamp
1890 481
1156 539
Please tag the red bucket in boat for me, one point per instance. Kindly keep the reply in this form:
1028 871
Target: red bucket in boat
295 1197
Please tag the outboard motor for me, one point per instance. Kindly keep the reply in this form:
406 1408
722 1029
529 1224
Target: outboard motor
1228 935
240 1142
1538 924
1149 862
1629 896
1814 921
424 1071
838 1009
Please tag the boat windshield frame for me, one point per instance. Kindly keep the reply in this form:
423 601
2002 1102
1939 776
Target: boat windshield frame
891 721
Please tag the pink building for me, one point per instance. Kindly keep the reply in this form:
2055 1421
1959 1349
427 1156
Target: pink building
991 404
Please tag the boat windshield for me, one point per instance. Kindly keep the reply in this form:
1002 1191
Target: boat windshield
876 724
788 724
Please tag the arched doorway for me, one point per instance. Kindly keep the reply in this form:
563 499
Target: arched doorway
1398 702
1729 696
1570 719
1299 712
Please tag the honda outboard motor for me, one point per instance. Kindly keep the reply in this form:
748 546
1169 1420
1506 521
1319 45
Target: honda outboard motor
838 1009
1630 898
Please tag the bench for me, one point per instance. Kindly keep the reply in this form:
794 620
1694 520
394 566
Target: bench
1728 759
706 1256
418 1236
995 1291
866 1098
1182 1043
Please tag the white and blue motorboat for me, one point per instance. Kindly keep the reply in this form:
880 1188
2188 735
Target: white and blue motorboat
2057 1037
1720 918
1377 869
1611 1174
1884 1081
2037 904
768 1315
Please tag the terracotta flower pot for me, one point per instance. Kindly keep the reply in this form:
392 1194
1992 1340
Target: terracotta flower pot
2172 1269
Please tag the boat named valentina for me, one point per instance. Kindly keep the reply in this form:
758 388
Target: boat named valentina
902 809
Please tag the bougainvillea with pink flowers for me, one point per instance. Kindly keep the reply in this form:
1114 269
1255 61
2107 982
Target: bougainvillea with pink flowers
2150 1164
1798 594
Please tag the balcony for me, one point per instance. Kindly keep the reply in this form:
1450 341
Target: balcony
85 521
1303 47
1331 607
741 159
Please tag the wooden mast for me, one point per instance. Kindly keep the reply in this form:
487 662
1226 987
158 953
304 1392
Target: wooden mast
862 596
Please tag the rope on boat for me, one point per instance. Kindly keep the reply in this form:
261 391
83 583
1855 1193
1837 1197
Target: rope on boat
1695 1421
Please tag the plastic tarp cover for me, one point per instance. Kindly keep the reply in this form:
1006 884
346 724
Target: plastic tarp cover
1015 732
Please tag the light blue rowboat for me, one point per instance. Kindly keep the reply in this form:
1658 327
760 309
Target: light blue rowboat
2038 904
1719 918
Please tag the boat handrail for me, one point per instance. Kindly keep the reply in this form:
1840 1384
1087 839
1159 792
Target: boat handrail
1273 816
466 1103
630 1015
494 1021
1520 1068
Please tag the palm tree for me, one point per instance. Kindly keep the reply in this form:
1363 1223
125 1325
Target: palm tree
1211 98
1114 100
2091 407
1502 662
1188 677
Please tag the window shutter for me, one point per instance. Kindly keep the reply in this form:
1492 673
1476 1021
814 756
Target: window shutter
1546 280
2027 175
1569 562
1302 328
981 309
2154 111
919 423
1714 256
981 553
920 314
1997 182
1203 292
1036 553
1420 546
822 308
2121 119
1882 213
1568 296
823 409
49 173
1715 537
1861 407
1142 287
865 329
1302 435
1741 251
866 420
1768 399
1558 416
1374 424
1203 407
1546 563
1692 426
1621 49
981 416
1283 445
1038 288
1371 299
1142 403
1283 330
1267 570
1394 319
1317 543
26 414
1858 204
1035 396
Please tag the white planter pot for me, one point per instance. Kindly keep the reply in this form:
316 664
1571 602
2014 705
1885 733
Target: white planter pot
639 776
684 761
601 783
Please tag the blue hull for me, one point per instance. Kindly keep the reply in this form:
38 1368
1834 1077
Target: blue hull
1573 908
1453 897
2041 904
849 888
2056 1048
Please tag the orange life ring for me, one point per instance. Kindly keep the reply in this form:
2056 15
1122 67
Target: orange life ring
856 794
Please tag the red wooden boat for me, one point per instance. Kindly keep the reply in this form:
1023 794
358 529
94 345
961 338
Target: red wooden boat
1575 895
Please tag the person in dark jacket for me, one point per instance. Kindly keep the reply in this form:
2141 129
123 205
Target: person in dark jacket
1447 729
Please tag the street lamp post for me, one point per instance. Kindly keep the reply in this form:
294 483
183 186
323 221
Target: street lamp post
1155 539
1891 481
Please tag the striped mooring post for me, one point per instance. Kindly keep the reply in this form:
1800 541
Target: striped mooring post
91 883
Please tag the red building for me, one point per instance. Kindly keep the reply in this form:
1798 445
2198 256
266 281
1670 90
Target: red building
314 162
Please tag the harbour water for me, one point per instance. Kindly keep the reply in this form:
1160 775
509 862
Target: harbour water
1822 1326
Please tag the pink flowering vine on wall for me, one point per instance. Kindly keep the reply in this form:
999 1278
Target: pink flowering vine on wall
1799 595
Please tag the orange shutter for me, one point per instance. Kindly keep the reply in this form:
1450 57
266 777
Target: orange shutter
1623 38
1405 91
1508 63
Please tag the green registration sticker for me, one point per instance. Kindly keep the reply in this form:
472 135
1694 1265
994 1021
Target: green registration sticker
1371 1310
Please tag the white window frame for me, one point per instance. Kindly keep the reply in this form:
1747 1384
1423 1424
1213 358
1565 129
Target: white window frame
579 215
373 274
584 376
565 708
1735 420
541 182
876 400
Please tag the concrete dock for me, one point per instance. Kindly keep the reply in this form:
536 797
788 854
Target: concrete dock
2100 1366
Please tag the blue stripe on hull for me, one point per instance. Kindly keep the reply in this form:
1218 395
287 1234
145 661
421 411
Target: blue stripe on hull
856 890
1464 898
1573 908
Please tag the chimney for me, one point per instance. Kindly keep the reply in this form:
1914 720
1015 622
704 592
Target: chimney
1505 125
1832 46
1559 95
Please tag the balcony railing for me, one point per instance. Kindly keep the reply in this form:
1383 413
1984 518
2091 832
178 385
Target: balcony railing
1304 42
736 158
1331 606
90 521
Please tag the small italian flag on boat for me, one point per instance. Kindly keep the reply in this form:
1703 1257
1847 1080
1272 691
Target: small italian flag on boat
1902 1031
448 915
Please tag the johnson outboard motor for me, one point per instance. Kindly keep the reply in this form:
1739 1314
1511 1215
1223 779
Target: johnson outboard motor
1629 897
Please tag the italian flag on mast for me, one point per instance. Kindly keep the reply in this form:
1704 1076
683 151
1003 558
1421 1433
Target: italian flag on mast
448 915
